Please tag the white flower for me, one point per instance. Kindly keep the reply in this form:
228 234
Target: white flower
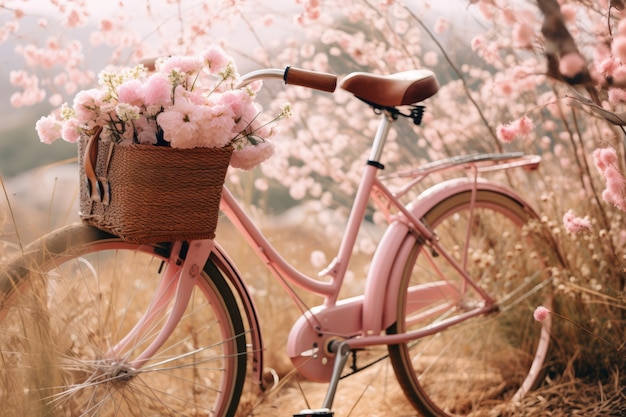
127 112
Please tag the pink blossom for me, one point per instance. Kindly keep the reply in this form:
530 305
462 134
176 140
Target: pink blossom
607 66
250 156
517 128
87 105
618 47
431 58
575 224
130 92
215 59
55 100
48 129
216 127
146 130
605 160
157 90
506 133
617 95
541 314
524 126
621 27
441 25
523 35
267 20
569 12
478 42
243 108
75 18
180 123
572 64
106 25
185 64
70 131
486 8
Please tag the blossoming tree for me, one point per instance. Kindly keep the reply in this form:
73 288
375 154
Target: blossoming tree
542 76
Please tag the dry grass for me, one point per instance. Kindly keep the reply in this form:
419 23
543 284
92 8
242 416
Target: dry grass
571 388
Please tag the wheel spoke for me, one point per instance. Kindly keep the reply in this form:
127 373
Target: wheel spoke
61 351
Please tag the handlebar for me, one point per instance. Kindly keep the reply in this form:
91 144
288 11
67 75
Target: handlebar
310 79
294 76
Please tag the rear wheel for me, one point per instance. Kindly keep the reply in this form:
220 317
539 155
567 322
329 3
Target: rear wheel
74 295
485 361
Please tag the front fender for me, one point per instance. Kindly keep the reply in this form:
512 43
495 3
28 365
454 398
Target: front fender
385 274
232 275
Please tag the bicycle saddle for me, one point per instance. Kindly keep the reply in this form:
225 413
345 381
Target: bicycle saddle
400 89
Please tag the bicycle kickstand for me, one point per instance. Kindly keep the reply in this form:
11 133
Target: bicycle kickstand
343 352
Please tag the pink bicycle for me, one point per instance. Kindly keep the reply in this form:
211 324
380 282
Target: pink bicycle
93 325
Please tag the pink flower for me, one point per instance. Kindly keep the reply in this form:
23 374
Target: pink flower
252 155
186 64
617 95
621 27
146 130
216 127
541 314
215 59
575 224
618 47
431 58
519 127
106 25
176 130
87 105
479 42
70 131
604 158
75 19
130 92
615 192
180 123
523 35
48 129
157 90
572 64
441 25
524 126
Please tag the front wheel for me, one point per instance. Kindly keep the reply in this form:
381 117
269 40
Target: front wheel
486 361
70 299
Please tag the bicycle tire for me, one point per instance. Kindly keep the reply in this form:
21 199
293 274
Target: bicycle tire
486 361
73 294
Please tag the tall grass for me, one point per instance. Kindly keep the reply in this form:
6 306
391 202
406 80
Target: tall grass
587 362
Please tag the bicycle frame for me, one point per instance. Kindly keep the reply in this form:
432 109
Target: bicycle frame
367 316
363 318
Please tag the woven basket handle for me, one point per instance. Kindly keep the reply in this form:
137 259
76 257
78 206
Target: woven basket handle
89 162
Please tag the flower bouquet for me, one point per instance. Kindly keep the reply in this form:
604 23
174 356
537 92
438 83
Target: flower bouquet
154 146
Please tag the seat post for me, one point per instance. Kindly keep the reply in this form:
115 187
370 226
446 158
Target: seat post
381 136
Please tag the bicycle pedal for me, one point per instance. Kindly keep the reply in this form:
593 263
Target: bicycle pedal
321 412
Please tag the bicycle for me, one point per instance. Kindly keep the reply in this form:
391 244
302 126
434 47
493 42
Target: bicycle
93 325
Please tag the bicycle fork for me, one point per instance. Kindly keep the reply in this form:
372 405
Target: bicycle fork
177 283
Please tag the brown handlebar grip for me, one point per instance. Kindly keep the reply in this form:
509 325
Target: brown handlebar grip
310 79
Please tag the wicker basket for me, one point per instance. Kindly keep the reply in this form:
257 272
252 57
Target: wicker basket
150 194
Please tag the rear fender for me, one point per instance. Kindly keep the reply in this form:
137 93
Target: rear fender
381 294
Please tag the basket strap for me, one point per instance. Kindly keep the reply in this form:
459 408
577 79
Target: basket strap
90 160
